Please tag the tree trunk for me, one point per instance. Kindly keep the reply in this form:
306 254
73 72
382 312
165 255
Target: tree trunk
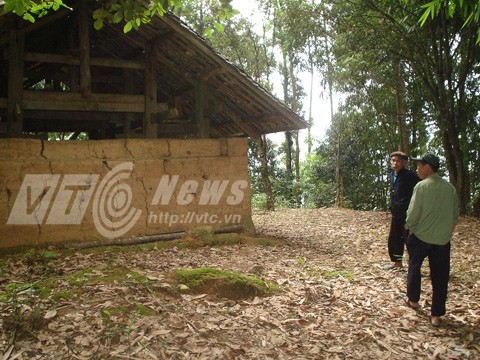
455 159
293 80
288 134
401 112
446 85
310 119
262 151
338 174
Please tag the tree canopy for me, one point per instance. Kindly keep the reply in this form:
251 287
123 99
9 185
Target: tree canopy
469 10
131 13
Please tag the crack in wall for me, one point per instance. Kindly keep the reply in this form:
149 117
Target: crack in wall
125 144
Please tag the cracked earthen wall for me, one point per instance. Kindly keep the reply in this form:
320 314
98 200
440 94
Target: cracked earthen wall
69 191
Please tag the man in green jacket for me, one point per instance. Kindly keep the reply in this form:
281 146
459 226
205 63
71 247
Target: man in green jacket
431 218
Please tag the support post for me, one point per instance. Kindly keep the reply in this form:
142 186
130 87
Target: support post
15 84
84 44
202 122
150 128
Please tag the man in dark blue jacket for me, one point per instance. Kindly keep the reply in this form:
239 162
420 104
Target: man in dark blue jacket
402 182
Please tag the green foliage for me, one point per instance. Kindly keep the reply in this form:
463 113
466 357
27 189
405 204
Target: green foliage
469 10
275 172
29 10
363 159
131 13
317 181
301 261
378 45
259 201
41 255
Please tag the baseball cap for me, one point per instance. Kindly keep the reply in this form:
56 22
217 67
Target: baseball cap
399 154
429 158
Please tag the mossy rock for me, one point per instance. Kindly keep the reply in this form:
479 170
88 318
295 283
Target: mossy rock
224 284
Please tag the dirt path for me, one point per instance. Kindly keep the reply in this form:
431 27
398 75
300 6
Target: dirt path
337 301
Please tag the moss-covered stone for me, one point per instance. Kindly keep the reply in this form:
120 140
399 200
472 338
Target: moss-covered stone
225 284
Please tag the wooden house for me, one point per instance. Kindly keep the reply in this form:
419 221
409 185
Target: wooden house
159 98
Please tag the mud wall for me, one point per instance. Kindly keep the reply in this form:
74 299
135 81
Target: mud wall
79 191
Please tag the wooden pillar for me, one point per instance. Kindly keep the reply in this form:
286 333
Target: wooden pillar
15 84
127 117
84 44
149 127
203 122
74 70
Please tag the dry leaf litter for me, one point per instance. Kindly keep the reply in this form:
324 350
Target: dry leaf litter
337 301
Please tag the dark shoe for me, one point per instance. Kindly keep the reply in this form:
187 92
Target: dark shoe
412 304
435 320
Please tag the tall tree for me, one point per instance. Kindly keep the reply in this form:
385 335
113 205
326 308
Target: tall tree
442 55
251 52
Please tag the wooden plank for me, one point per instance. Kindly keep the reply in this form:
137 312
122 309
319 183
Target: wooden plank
73 60
65 101
15 84
202 121
217 71
150 127
127 117
84 45
72 116
246 128
239 80
178 129
86 125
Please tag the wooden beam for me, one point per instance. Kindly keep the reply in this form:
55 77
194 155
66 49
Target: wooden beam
240 80
160 39
217 71
66 101
246 128
73 60
178 129
242 124
127 117
202 121
72 116
149 126
84 44
15 84
86 125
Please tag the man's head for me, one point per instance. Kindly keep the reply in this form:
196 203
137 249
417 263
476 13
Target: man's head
398 160
427 165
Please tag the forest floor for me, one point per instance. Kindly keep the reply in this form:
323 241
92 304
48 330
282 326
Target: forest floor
336 300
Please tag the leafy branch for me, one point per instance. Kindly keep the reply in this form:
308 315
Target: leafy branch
469 9
132 13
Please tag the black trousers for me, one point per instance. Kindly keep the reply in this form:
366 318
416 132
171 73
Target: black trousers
439 262
397 237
